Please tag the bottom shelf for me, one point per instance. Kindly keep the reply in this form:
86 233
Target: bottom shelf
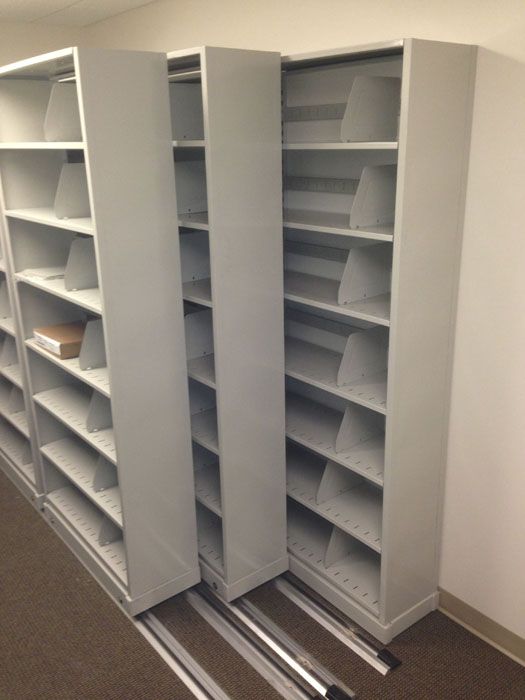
209 533
86 520
18 450
345 562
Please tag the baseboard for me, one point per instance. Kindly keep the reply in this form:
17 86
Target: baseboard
482 626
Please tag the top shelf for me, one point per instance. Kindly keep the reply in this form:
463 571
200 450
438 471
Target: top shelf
189 143
43 145
343 146
46 66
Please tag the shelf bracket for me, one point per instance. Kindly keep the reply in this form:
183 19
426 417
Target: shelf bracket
109 532
358 425
365 354
105 475
93 350
335 481
375 198
81 267
99 413
72 197
366 273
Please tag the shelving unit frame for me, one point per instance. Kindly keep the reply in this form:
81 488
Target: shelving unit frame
139 541
431 149
236 205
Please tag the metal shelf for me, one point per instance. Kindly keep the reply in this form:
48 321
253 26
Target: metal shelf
190 143
199 292
43 145
14 446
357 511
79 464
202 369
198 221
343 146
204 430
86 520
8 326
13 373
321 293
357 572
319 366
70 405
47 217
334 223
208 487
86 298
316 426
209 532
97 378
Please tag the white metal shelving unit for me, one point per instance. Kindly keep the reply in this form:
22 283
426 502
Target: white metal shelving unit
16 427
374 162
90 235
226 139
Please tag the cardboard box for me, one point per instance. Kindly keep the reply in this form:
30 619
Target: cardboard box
63 340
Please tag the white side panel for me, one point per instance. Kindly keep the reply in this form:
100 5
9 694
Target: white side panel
130 173
434 134
243 160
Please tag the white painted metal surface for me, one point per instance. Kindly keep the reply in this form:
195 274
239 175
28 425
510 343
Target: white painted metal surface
132 520
228 183
385 542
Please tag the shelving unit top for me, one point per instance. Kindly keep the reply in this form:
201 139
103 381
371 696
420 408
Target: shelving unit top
362 51
54 65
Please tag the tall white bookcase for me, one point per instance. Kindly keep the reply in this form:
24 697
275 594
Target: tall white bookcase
90 234
226 122
375 142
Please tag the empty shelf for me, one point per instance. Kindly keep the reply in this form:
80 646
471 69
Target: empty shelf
210 543
208 487
199 292
86 520
319 366
202 369
197 221
356 573
7 325
79 464
204 430
342 146
357 511
18 418
71 406
336 224
13 373
43 145
86 298
97 378
316 427
14 446
189 143
46 215
321 293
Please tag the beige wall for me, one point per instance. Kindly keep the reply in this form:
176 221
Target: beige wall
18 40
483 557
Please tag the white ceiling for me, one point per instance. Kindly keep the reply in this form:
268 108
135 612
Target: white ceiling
77 13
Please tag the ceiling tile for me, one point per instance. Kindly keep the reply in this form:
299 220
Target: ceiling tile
65 12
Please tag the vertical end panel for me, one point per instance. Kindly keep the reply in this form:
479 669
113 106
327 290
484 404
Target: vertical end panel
436 107
242 122
126 123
